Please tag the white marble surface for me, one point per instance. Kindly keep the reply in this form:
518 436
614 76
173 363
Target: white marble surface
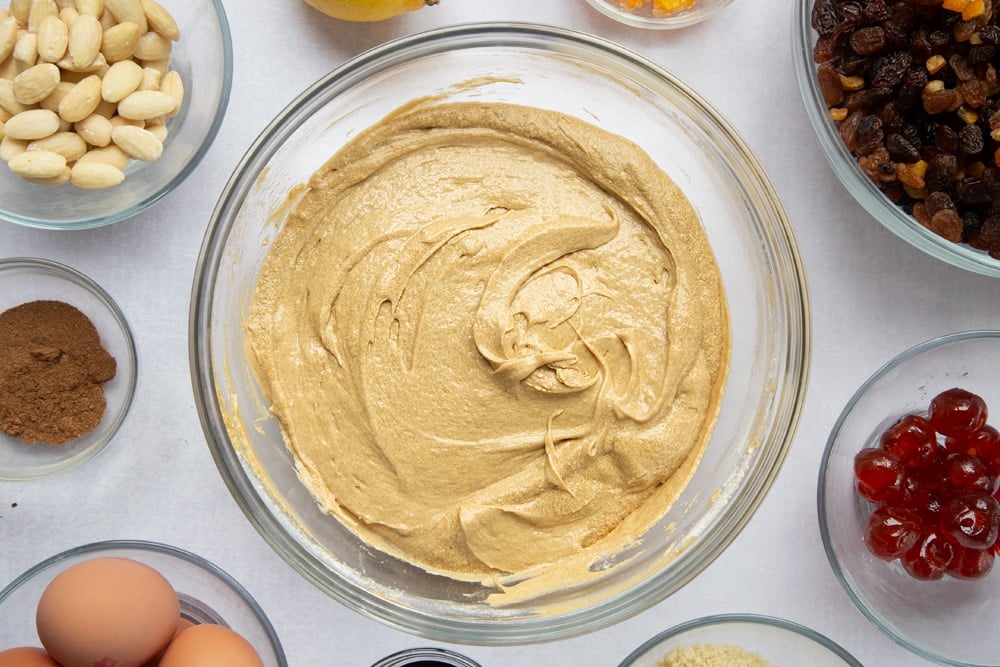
871 295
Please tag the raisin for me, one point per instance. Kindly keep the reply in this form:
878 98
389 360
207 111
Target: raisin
889 70
961 67
972 93
875 11
824 17
973 191
868 41
941 170
970 140
946 139
900 149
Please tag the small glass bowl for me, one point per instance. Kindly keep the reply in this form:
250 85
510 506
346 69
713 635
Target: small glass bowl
24 279
204 58
775 640
858 184
207 593
426 657
646 17
949 621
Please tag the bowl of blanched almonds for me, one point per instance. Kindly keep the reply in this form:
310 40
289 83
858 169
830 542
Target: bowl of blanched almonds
106 105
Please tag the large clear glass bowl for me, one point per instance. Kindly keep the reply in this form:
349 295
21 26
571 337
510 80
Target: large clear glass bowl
855 181
203 56
616 89
949 621
207 593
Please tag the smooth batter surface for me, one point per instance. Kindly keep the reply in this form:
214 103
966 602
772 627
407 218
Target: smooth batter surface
490 334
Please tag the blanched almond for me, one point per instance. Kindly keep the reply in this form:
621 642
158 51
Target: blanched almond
20 9
146 104
53 36
110 154
150 79
55 97
160 20
32 124
37 164
8 37
69 15
92 7
121 80
119 41
60 179
26 50
95 175
40 9
85 39
152 46
173 85
82 100
95 129
35 83
159 131
8 100
11 147
128 10
137 143
68 144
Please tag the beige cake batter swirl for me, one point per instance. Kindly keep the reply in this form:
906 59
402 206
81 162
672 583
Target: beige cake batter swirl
490 333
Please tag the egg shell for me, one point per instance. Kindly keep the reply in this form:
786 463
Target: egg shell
210 645
107 611
183 625
26 656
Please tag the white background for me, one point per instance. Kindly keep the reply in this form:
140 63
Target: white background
871 296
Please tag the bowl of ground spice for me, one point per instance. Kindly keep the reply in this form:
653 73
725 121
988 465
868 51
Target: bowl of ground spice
739 640
67 368
905 100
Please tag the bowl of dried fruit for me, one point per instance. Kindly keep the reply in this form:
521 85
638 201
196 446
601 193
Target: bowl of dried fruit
105 109
908 499
905 101
659 14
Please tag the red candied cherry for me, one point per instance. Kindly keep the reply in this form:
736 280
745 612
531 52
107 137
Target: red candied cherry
879 475
911 439
968 474
982 442
891 531
930 557
971 563
955 412
924 496
972 519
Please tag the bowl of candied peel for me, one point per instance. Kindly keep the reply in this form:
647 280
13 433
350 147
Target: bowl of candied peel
909 498
659 14
904 98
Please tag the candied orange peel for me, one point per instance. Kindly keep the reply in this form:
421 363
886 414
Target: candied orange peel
969 9
658 7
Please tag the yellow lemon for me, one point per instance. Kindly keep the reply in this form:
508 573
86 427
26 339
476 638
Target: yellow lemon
367 10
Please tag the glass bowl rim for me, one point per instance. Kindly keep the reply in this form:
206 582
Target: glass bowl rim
160 548
842 163
70 274
134 209
668 22
827 455
723 619
401 658
534 629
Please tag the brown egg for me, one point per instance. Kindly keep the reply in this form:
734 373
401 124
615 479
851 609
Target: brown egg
107 611
26 656
209 645
182 625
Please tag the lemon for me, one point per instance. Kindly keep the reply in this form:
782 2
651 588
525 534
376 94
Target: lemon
367 10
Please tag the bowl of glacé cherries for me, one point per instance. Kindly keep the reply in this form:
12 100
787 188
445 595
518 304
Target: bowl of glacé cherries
908 499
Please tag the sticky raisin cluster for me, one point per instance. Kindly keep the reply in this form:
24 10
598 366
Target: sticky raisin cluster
914 89
932 485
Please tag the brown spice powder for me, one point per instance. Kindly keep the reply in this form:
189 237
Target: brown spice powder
52 368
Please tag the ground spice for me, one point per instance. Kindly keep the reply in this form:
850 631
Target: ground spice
712 655
52 368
